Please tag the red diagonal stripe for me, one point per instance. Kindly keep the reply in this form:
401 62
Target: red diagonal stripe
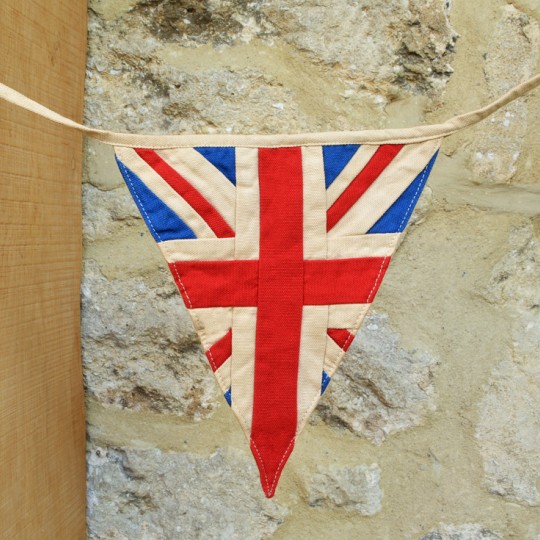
279 311
220 351
191 195
375 166
343 281
342 337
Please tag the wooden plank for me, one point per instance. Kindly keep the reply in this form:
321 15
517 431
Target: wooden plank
42 423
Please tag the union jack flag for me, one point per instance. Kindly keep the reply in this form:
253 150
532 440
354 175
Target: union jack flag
278 253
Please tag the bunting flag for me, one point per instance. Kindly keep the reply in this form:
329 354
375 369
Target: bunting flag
278 245
277 253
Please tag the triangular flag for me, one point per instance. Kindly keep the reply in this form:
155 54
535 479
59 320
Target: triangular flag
278 253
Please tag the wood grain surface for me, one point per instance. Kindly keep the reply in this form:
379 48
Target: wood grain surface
42 422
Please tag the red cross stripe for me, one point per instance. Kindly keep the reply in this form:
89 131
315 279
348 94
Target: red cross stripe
279 284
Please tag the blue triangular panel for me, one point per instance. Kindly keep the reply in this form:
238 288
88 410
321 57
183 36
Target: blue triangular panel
325 381
335 158
222 158
228 396
395 219
162 222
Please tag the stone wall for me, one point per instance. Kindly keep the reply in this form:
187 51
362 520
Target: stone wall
431 428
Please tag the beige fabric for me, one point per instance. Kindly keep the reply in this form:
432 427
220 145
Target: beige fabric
211 324
366 245
346 315
333 356
223 375
166 193
403 169
243 365
314 203
205 178
204 249
310 367
247 200
378 136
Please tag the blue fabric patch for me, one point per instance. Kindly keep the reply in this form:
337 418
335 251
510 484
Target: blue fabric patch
222 158
325 381
335 158
228 397
162 222
395 219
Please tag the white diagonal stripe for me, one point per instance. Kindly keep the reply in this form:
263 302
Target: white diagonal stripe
209 181
211 324
386 189
359 160
223 375
164 191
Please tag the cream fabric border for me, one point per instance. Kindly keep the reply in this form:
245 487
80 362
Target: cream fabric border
365 245
211 324
311 360
314 203
247 203
376 136
202 249
243 365
346 315
334 354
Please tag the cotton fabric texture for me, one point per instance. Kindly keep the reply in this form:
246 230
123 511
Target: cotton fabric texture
278 245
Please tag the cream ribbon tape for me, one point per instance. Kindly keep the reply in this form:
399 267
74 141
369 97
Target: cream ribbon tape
377 136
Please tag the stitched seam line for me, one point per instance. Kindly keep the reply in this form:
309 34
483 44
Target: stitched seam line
126 172
211 358
348 340
134 191
414 199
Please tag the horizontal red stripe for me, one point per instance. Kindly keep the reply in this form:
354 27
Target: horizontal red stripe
375 166
220 351
235 283
217 283
343 281
342 337
191 195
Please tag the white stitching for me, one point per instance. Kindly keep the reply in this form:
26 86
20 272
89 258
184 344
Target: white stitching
260 460
182 284
415 196
377 279
126 176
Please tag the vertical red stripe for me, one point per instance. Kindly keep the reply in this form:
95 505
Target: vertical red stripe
279 311
191 195
375 166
